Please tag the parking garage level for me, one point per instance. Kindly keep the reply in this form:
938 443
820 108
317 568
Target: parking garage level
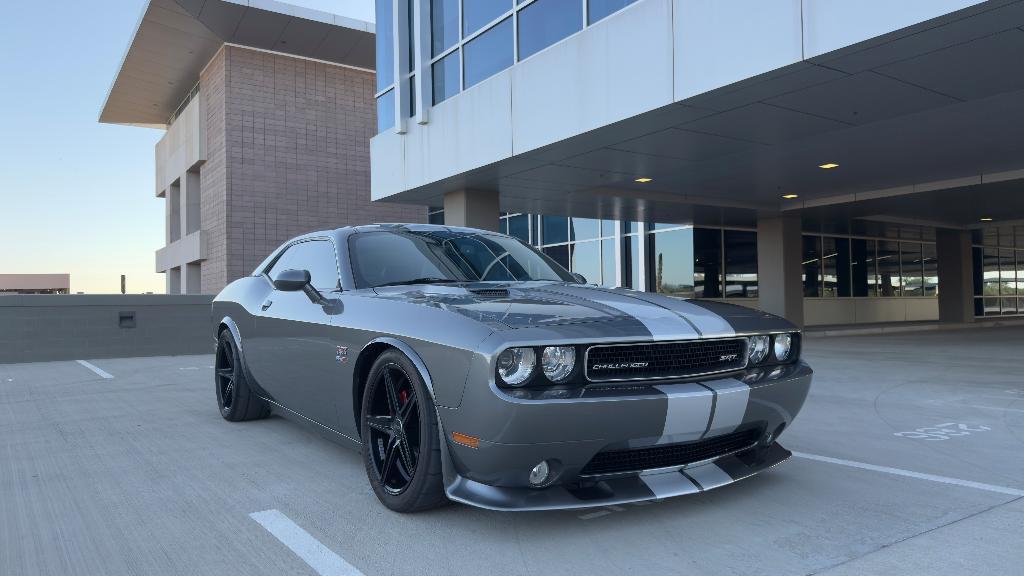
908 460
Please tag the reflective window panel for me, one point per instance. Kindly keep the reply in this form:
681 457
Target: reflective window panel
446 77
670 266
477 13
519 226
586 260
990 271
812 266
740 264
888 268
488 53
978 258
598 9
584 228
444 25
930 261
910 255
385 43
608 227
707 263
412 96
411 31
1007 273
608 263
631 262
545 22
555 229
862 268
386 111
559 254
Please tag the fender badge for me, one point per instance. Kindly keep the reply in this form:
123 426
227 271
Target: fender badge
341 356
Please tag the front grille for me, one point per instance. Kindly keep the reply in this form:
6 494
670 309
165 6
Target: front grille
669 455
664 360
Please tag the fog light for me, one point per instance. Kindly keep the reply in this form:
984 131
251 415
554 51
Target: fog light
540 473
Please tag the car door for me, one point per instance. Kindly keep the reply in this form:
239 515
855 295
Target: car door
293 350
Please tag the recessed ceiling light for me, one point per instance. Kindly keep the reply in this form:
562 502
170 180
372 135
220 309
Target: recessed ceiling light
828 166
643 180
790 196
986 219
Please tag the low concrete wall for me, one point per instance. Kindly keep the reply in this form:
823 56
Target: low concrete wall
837 311
37 328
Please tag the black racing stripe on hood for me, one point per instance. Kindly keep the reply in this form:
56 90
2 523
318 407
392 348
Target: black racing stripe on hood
744 319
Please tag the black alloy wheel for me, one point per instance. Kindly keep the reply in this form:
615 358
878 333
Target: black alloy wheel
224 371
399 432
393 418
235 398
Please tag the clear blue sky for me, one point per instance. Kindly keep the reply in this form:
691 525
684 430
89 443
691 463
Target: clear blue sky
76 195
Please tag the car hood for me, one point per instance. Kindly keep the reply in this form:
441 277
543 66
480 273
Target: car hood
542 304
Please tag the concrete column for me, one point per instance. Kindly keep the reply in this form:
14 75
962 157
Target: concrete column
174 281
956 280
191 278
472 209
779 248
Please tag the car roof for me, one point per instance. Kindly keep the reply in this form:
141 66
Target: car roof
340 235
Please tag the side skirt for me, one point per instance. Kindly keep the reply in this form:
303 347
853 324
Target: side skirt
314 426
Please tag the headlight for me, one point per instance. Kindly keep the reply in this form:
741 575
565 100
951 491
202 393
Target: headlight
783 346
558 362
516 364
758 349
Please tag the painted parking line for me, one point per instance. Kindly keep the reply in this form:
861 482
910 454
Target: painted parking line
102 373
911 474
319 557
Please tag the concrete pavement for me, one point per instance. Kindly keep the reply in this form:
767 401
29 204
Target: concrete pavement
138 474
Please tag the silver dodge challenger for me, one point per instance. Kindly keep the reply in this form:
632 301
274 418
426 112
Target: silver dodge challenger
468 366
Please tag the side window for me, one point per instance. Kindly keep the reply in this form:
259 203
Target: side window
316 256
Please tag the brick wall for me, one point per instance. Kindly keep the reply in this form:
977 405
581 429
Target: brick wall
296 145
213 177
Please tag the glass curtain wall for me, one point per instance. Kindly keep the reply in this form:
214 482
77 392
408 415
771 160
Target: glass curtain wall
999 271
472 40
697 262
582 245
385 45
837 266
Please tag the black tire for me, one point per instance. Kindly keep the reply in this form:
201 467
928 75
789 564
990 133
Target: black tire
412 481
235 398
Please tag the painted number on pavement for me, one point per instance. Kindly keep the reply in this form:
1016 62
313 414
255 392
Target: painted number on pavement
942 431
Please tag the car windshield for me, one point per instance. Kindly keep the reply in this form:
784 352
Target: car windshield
424 257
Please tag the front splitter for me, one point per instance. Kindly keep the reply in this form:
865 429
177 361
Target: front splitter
649 485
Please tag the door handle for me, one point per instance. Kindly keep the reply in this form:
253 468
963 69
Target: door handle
266 304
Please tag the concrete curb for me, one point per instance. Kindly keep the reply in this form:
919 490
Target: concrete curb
899 329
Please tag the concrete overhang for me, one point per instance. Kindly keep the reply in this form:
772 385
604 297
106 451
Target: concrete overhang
175 39
925 122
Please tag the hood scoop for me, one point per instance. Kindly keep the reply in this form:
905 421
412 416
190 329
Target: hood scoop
490 292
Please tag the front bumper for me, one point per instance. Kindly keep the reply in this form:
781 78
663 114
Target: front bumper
518 433
653 485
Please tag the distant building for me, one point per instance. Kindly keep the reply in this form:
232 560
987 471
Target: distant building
269 112
35 284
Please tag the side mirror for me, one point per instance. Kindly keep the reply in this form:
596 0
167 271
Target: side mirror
291 280
580 278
